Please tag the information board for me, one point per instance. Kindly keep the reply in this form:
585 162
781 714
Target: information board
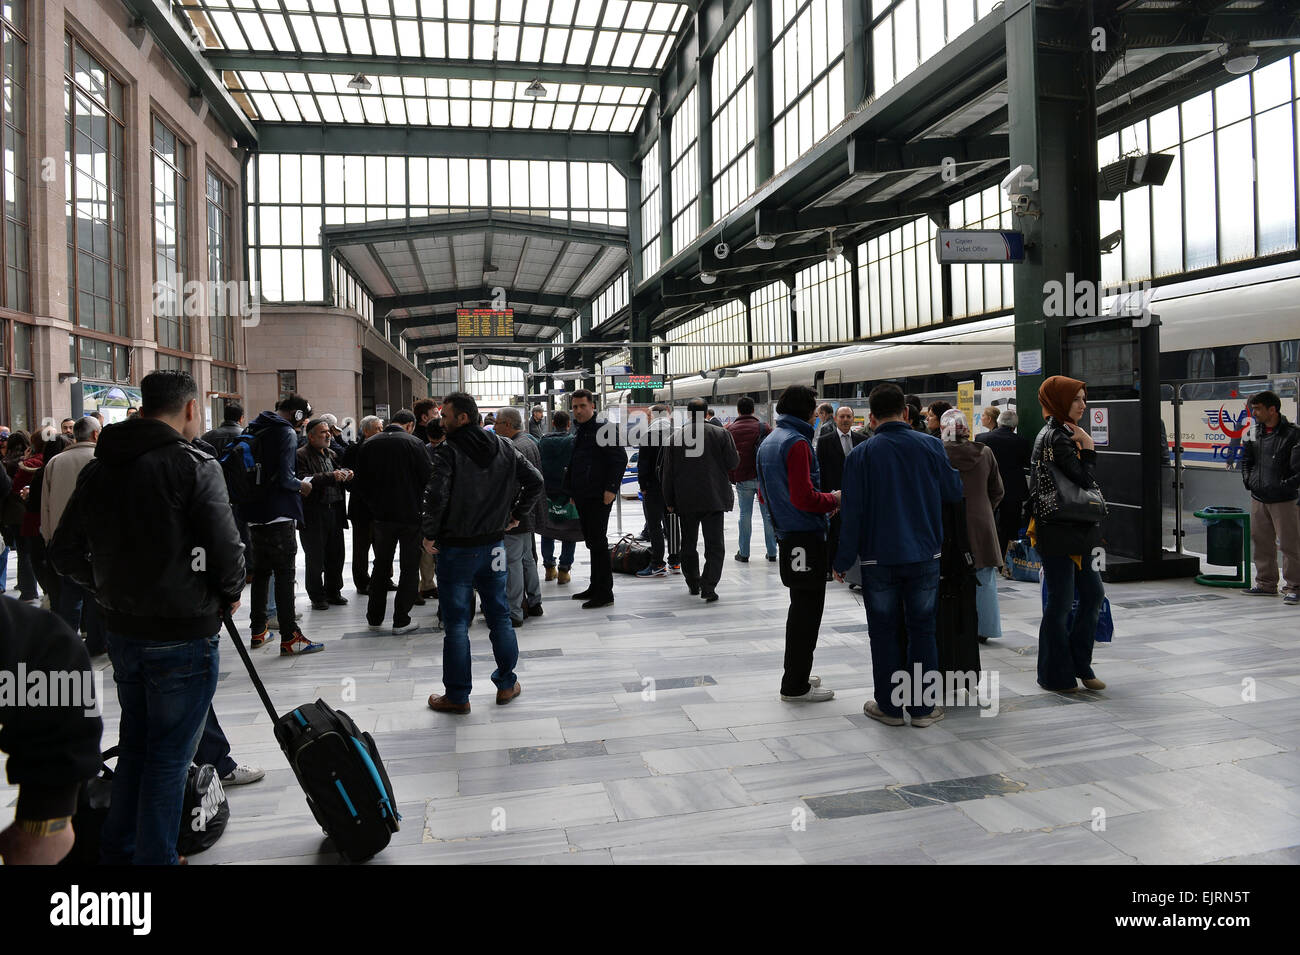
639 381
979 245
485 324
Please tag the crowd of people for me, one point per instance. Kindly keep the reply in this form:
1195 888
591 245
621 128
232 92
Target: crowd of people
447 504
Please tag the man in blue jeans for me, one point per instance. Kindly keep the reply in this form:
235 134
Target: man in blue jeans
164 563
748 432
480 487
894 486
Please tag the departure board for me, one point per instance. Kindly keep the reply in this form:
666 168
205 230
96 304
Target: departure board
485 324
639 381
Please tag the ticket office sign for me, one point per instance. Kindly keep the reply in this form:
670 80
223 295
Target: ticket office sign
474 325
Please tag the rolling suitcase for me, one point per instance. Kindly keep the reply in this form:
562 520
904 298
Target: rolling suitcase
338 768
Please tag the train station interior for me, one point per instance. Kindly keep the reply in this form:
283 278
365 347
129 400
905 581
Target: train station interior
371 202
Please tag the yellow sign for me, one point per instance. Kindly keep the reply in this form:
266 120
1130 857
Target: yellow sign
485 324
966 402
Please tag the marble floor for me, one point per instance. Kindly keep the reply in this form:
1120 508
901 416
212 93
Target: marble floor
651 731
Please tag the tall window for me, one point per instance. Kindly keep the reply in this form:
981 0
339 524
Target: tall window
900 281
650 212
94 159
169 237
288 383
807 75
223 320
685 172
15 288
16 374
733 118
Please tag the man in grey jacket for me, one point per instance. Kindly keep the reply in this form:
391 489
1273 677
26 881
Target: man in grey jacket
697 487
523 588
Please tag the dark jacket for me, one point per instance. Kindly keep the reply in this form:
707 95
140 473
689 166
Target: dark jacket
52 749
983 491
1012 452
536 428
1063 538
1270 464
164 559
747 432
535 520
595 467
392 470
221 436
658 435
555 448
277 452
479 483
694 476
892 506
325 491
830 455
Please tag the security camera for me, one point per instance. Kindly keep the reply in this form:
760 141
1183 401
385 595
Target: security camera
1020 181
721 250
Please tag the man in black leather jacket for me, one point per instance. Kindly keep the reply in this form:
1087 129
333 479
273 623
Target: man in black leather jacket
595 475
164 562
480 487
1270 469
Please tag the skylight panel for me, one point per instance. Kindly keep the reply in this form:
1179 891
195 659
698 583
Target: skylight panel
508 42
352 111
406 8
297 4
374 109
331 32
439 112
298 82
661 19
408 39
435 42
351 6
561 12
304 28
390 85
523 116
605 42
265 106
480 112
417 111
395 108
413 86
437 86
556 40
480 89
579 46
378 8
281 38
457 9
228 27
638 15
535 11
382 32
431 9
625 50
568 92
544 116
583 116
358 39
329 109
459 112
648 52
276 81
625 118
614 11
458 41
501 111
530 45
484 41
288 108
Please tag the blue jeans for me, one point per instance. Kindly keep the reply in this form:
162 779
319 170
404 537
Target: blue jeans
1066 654
745 490
987 614
4 566
461 571
913 590
567 550
165 691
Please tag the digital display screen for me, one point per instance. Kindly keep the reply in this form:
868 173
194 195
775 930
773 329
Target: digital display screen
639 381
485 324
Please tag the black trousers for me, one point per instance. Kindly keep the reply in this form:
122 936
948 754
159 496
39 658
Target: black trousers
1009 523
404 539
652 506
593 515
832 539
275 551
715 549
361 553
803 571
322 542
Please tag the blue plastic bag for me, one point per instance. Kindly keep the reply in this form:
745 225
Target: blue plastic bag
1023 560
1105 622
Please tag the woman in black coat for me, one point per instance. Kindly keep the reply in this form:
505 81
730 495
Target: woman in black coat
1067 548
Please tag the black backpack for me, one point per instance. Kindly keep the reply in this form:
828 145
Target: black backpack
246 478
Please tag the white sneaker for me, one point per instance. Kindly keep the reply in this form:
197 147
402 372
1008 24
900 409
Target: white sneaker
408 628
815 694
242 775
814 681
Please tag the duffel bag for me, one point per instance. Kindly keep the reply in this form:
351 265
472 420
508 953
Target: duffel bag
629 555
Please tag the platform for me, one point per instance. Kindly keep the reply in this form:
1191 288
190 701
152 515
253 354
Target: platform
1167 765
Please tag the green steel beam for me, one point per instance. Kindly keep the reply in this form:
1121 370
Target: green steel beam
156 15
430 341
446 69
462 223
456 296
360 139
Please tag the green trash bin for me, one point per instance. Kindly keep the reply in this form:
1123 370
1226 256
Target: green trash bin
1227 534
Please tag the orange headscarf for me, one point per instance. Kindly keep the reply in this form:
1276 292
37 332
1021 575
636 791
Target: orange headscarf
1056 395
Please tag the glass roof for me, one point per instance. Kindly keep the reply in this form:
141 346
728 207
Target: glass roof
590 33
428 101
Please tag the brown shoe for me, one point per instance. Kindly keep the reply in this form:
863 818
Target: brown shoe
550 573
562 576
1094 684
441 704
505 696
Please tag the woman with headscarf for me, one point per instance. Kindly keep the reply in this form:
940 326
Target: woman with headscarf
982 483
1066 547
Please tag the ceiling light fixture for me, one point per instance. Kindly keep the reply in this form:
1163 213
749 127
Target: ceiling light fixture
708 278
535 90
833 250
766 242
1239 58
359 82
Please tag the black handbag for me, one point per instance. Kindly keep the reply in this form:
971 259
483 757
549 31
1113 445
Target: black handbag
629 555
1056 497
204 813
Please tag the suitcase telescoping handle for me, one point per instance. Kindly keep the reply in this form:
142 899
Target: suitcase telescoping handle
248 665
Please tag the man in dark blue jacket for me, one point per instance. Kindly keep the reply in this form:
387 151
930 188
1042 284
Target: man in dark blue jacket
273 518
894 486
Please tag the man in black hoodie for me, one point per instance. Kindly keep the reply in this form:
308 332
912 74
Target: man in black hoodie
273 517
164 562
480 487
392 468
